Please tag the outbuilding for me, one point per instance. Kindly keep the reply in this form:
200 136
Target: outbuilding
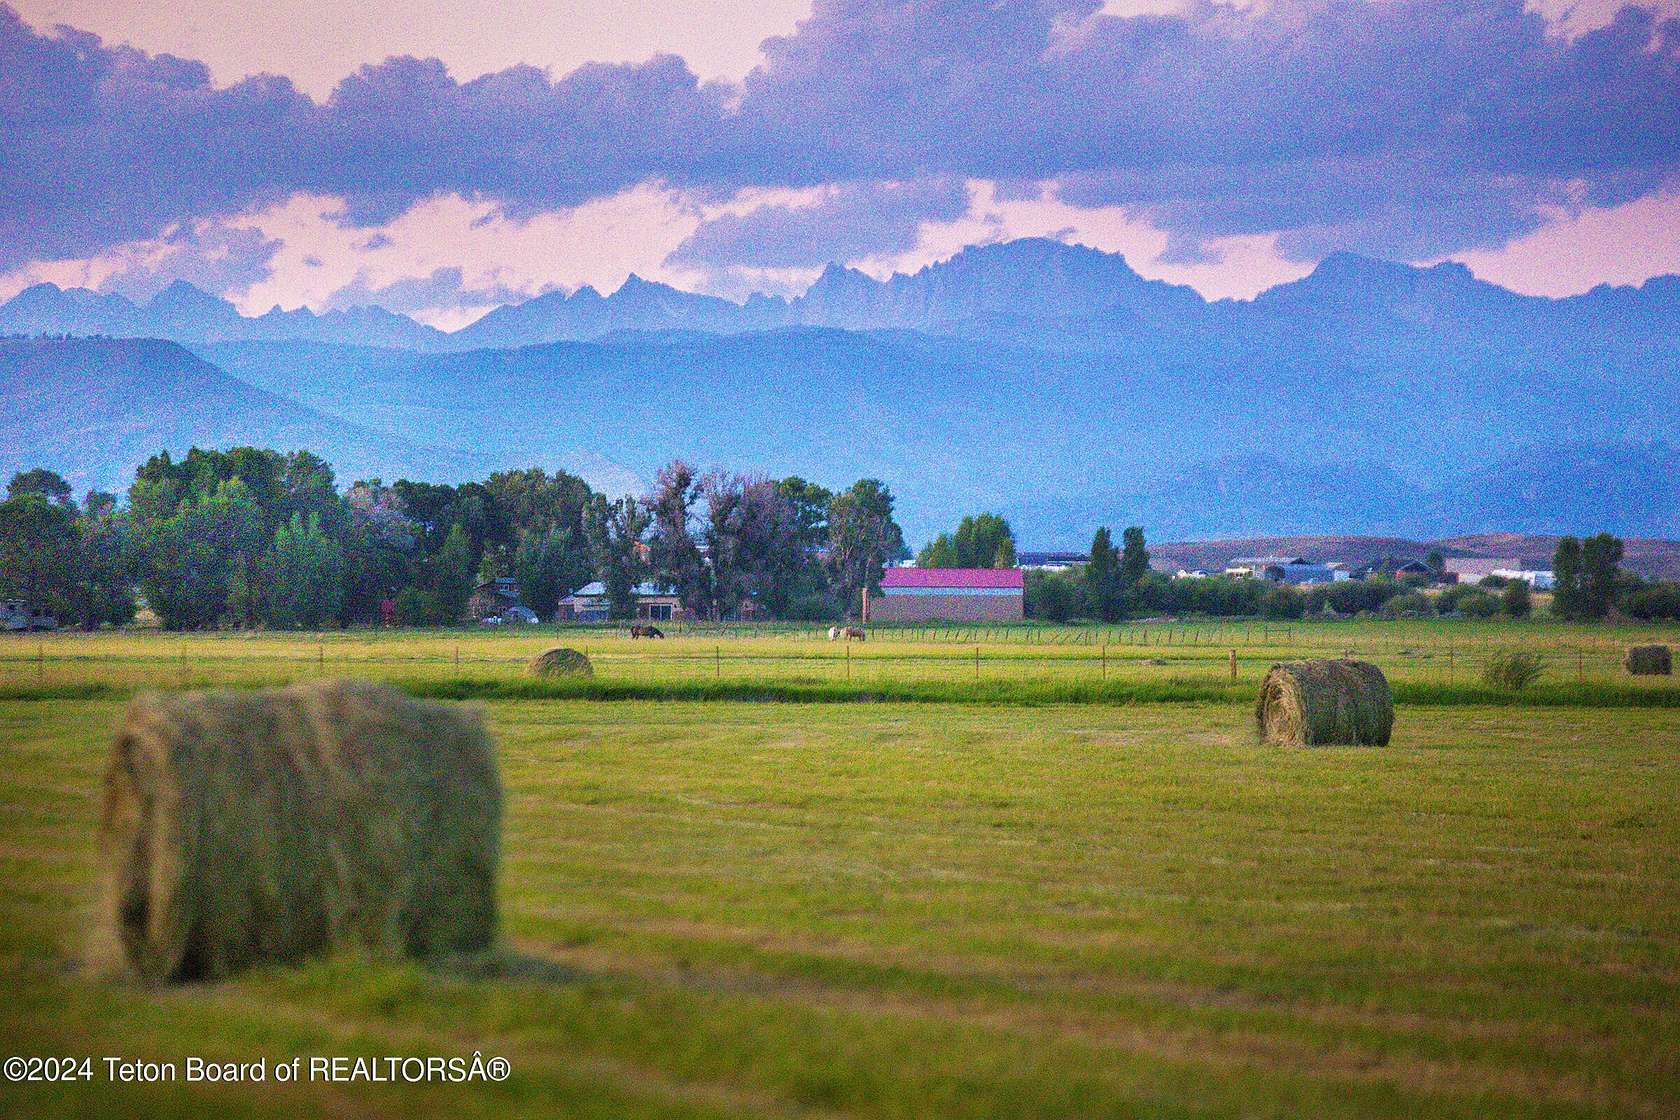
949 595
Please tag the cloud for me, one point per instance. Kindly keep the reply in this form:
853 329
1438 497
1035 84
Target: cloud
850 221
1406 128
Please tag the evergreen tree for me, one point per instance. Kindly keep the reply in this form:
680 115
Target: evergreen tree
1134 558
452 575
1566 576
1601 559
303 576
1102 577
1515 600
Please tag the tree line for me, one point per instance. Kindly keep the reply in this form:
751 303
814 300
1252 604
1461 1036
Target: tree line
253 537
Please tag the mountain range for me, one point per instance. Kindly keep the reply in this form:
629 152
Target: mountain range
1049 382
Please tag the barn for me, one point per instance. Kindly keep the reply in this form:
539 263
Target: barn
949 595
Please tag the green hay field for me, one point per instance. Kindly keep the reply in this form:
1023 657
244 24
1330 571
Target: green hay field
986 903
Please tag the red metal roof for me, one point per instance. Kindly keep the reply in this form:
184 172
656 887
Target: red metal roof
952 577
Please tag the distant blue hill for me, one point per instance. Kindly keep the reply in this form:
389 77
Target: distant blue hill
1046 381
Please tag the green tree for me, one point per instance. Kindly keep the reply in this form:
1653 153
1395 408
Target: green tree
1515 600
1103 590
303 576
187 559
452 575
862 539
1134 558
1601 572
979 542
549 563
674 544
38 480
1566 576
40 550
615 530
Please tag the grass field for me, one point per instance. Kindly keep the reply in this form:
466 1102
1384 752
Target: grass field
988 903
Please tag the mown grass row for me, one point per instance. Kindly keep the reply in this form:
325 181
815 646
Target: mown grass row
1591 694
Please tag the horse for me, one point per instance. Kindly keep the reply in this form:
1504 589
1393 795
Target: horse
853 633
639 631
834 633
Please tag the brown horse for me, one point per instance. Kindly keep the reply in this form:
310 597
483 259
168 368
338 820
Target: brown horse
640 631
852 634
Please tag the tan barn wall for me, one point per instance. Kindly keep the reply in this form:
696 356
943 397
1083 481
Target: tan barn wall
946 608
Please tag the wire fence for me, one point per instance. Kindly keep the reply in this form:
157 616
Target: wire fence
1167 651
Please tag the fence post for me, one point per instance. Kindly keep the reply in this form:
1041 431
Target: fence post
1233 665
717 661
976 662
1105 661
457 656
848 660
40 662
1580 666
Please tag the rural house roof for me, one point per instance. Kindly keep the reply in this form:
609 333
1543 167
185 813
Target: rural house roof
956 578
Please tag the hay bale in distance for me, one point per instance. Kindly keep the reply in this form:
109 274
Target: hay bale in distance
244 827
1649 661
560 661
1323 702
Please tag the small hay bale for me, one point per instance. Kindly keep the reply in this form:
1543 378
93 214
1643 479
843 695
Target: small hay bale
1310 703
245 827
1649 661
560 662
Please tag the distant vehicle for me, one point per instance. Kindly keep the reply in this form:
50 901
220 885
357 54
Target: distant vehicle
17 617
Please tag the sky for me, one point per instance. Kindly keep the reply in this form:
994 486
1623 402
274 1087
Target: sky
440 158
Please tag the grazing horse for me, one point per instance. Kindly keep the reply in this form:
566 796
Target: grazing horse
640 631
853 633
834 633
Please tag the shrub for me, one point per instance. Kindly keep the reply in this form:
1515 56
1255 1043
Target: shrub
1516 599
1284 603
1478 605
1412 603
415 607
1512 670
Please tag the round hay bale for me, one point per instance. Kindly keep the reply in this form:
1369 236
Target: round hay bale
1649 661
560 662
1310 703
244 827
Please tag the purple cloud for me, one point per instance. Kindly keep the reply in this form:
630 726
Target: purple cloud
855 220
1406 128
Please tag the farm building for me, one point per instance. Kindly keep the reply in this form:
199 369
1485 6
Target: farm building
1474 569
653 604
949 595
1284 569
1052 561
497 601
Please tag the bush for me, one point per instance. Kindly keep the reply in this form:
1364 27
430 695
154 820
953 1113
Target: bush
1478 605
1052 596
1654 602
1512 670
1411 604
1516 600
1283 603
814 607
415 607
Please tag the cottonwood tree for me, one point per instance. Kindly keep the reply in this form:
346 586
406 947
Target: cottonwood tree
615 530
674 551
862 539
752 539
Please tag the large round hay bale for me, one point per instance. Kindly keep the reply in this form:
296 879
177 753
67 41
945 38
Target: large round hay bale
244 827
560 662
1310 703
1649 661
